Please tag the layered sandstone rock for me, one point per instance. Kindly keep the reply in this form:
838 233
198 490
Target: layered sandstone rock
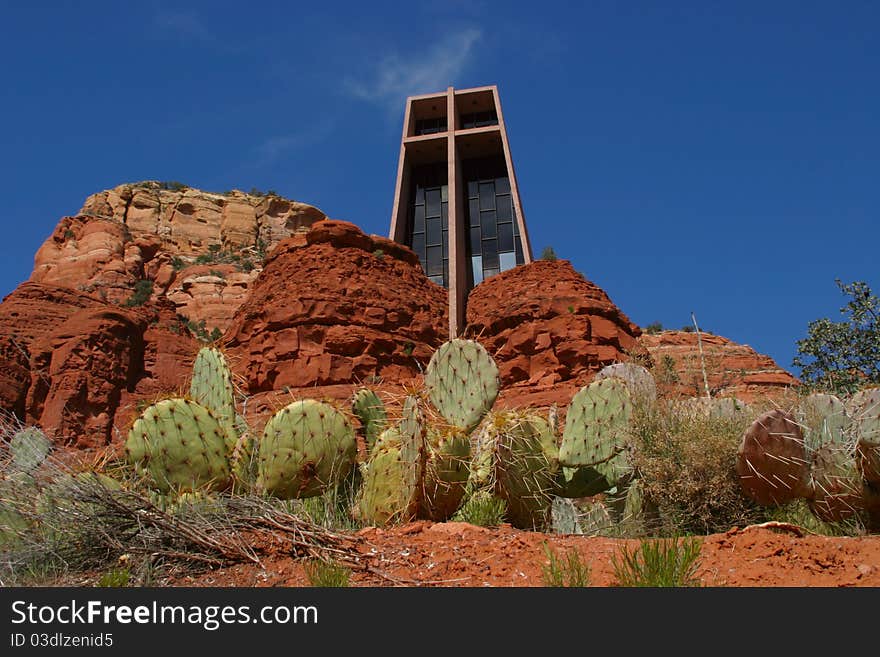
544 323
79 370
336 307
732 370
188 220
145 232
209 292
67 360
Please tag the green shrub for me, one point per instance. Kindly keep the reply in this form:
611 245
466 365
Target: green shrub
548 253
565 571
143 290
658 562
654 328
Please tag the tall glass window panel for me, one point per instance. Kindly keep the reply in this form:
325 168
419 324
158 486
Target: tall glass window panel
503 207
474 211
432 202
487 223
507 260
505 237
435 261
487 196
490 254
434 232
477 266
476 238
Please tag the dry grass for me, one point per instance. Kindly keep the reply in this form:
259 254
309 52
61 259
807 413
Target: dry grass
686 461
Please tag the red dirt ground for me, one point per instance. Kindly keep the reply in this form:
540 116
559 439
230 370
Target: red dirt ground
459 554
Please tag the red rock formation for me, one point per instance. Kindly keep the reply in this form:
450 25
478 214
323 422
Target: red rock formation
545 324
142 231
336 307
67 360
732 370
27 314
78 372
209 292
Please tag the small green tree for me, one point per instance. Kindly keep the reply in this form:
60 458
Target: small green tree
842 356
548 253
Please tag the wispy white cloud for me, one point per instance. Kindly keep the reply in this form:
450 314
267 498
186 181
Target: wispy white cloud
183 24
276 146
397 75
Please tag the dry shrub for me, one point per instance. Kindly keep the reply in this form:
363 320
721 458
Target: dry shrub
686 460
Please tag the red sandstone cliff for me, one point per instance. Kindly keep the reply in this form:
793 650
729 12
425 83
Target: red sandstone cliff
732 370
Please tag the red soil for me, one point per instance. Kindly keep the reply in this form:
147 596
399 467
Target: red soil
459 554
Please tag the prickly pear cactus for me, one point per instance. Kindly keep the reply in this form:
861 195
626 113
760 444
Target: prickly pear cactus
370 410
772 462
823 419
29 448
639 381
446 473
179 445
864 409
393 476
462 382
525 478
211 386
306 448
564 516
595 428
836 483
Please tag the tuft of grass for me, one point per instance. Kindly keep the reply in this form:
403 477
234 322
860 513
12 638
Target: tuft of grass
117 577
482 509
326 574
663 562
565 571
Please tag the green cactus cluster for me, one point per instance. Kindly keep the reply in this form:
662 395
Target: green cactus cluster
826 451
199 444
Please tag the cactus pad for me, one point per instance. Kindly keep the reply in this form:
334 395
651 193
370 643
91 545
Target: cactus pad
823 419
370 410
524 476
639 381
595 427
211 386
393 475
836 484
29 448
180 445
864 409
462 382
446 473
307 447
772 462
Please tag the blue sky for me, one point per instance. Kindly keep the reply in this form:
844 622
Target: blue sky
720 158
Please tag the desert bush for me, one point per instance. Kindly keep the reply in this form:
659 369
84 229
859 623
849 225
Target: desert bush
569 570
658 562
687 460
